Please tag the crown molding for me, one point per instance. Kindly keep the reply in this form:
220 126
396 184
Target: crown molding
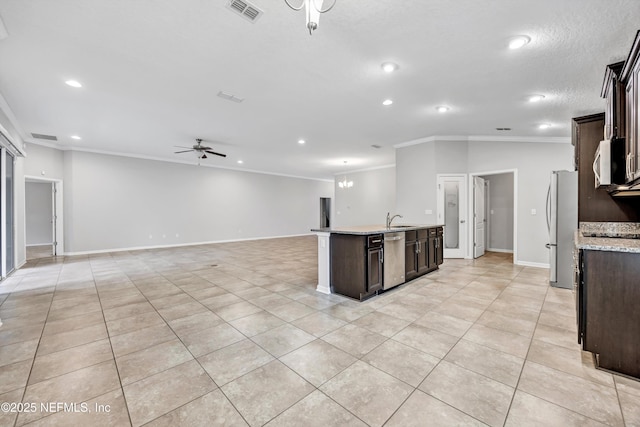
487 138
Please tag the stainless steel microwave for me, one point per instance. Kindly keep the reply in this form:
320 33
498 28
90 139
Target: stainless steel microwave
602 163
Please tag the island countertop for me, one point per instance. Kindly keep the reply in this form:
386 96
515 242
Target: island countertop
612 244
374 229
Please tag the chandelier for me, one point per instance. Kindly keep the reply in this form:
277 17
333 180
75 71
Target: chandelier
344 183
312 10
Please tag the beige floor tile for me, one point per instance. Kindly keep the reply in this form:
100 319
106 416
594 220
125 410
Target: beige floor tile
77 322
381 323
291 311
8 417
237 310
420 409
14 376
127 311
194 323
557 336
232 362
141 339
474 394
220 300
71 387
212 409
283 339
370 394
445 324
567 360
67 312
527 410
348 311
316 410
257 323
182 310
317 362
103 411
507 323
210 339
165 391
506 342
319 324
426 340
256 398
354 340
123 298
318 301
18 352
461 310
64 340
494 364
630 404
61 362
401 361
585 397
627 385
141 364
20 334
171 300
403 311
133 323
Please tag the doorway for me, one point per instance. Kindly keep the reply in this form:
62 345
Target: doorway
325 212
452 212
494 205
43 218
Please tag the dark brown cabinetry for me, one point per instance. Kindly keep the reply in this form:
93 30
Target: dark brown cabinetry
423 252
631 80
596 204
356 264
613 91
607 304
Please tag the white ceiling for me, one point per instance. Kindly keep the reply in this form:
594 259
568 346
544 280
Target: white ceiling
151 70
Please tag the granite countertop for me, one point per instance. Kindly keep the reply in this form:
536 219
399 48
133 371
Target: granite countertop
374 229
614 244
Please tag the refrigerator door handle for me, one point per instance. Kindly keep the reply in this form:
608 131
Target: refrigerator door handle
548 212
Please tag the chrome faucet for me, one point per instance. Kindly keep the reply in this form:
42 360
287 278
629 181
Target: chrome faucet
390 219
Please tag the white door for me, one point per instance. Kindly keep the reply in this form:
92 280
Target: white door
479 217
452 211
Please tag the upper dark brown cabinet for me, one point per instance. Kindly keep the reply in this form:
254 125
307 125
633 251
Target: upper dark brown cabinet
629 76
613 91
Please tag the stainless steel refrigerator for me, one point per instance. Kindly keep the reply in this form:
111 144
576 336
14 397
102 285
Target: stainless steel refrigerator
562 222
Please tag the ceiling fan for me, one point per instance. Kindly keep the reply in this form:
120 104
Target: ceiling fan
202 150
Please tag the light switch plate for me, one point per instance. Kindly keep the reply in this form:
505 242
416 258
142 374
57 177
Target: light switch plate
534 212
428 212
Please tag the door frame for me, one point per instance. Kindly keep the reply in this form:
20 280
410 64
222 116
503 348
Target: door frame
475 212
471 230
464 214
58 227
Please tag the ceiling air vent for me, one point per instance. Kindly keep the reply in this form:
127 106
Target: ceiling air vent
42 136
245 9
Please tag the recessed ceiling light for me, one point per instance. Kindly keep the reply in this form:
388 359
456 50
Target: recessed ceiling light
387 102
73 83
389 67
76 137
544 126
301 141
535 98
442 108
240 162
518 42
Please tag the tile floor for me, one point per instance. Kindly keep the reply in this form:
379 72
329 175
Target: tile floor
235 334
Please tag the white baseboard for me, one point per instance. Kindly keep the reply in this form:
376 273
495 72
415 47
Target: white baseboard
504 251
142 248
532 264
39 244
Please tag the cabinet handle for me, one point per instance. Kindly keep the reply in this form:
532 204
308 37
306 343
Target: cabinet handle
417 247
382 255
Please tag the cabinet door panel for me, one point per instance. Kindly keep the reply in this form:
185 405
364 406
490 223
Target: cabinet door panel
411 260
374 279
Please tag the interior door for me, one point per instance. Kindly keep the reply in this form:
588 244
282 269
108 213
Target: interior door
479 217
452 212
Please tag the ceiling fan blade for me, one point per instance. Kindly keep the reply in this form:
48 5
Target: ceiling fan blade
217 154
185 151
180 146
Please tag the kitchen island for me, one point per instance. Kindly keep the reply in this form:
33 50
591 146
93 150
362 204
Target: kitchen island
608 294
361 261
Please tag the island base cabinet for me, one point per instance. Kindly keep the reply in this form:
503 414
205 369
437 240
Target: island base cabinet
610 309
356 266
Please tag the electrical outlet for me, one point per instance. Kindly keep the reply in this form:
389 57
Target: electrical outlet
534 212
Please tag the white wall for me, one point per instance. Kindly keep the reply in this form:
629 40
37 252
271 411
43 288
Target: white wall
116 202
501 212
417 166
39 213
373 195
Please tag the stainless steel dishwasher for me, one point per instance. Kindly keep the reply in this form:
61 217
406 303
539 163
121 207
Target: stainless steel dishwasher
393 260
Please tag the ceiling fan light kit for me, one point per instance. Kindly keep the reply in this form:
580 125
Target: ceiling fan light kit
312 11
201 150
